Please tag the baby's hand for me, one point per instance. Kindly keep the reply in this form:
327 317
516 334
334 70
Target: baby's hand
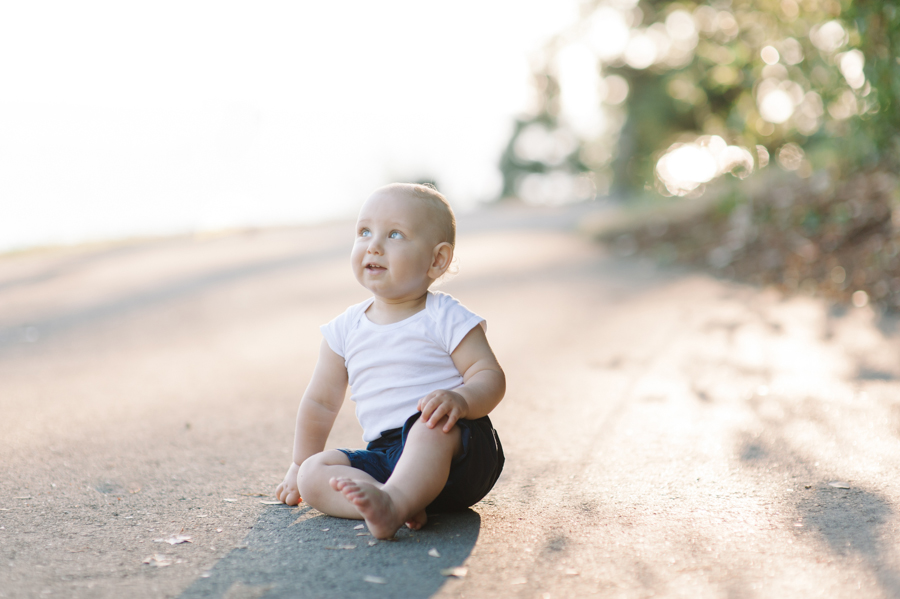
287 491
440 403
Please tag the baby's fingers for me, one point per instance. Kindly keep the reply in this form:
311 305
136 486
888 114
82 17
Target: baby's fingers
440 411
452 417
429 408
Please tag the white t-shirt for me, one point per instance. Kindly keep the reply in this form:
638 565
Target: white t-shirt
392 366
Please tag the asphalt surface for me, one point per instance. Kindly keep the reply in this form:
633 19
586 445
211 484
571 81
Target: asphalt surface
666 434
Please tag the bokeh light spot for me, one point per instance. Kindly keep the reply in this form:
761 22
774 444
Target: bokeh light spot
537 143
769 55
776 106
641 51
852 63
608 33
686 166
790 156
680 26
829 36
791 51
616 89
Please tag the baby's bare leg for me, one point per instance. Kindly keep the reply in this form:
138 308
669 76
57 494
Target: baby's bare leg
418 478
315 489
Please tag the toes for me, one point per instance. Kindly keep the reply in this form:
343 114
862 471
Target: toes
346 486
338 484
417 521
357 498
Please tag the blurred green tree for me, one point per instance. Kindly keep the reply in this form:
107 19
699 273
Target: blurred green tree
668 95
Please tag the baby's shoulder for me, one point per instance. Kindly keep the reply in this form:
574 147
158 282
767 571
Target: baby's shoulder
440 305
450 319
349 317
439 302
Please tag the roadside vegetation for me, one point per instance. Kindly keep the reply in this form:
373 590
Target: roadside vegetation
760 139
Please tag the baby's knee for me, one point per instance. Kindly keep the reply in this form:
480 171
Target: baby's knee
307 474
312 473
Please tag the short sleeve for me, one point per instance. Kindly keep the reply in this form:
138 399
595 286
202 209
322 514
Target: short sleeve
336 331
334 335
454 321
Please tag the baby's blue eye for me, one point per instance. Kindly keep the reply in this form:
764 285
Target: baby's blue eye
396 235
364 233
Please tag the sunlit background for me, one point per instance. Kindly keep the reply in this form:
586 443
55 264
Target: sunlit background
120 118
761 137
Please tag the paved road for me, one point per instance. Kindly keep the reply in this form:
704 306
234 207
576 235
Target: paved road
666 434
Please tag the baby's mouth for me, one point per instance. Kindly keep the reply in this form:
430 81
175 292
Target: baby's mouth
374 267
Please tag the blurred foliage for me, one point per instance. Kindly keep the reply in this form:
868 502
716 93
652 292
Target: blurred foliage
799 100
878 28
815 84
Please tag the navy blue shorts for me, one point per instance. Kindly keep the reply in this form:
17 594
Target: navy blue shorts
472 473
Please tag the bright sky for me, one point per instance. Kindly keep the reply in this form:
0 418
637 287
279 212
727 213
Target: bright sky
123 118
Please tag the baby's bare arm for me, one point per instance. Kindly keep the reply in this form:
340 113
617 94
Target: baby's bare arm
320 404
315 417
483 384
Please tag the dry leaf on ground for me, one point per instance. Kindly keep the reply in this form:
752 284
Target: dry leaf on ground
174 540
160 561
459 571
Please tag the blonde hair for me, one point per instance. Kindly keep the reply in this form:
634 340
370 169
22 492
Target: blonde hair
437 202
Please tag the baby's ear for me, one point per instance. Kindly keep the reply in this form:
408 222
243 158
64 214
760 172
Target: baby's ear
442 255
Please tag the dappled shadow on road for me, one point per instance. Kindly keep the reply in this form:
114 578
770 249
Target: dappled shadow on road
299 552
853 522
139 301
68 263
852 525
803 401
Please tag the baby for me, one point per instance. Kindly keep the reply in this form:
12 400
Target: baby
421 372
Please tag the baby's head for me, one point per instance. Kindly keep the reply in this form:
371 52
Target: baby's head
440 215
406 234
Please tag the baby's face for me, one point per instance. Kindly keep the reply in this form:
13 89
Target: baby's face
394 247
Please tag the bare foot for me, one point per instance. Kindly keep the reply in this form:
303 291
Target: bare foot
375 506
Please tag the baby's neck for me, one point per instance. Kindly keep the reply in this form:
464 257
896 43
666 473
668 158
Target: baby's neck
388 312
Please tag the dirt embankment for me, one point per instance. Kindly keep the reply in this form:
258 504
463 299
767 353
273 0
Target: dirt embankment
835 240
